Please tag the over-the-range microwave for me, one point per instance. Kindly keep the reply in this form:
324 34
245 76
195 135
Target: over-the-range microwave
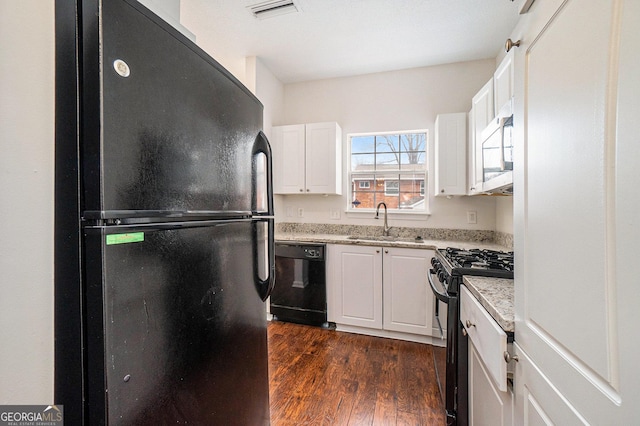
497 156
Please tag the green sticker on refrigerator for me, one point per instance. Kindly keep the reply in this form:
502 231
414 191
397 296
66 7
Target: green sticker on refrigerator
134 237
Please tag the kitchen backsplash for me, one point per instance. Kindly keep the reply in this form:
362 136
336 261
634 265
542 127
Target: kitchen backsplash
501 238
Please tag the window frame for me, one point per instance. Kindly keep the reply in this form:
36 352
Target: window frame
388 175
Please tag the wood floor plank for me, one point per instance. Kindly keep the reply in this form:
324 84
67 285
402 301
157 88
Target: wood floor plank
325 377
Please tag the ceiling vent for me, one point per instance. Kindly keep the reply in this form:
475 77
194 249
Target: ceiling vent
273 8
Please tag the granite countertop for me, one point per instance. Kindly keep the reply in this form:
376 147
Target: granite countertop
404 242
496 296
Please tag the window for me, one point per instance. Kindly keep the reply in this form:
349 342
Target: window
389 167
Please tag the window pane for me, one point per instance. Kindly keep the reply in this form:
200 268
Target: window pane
412 192
387 162
362 144
360 162
387 143
362 191
414 160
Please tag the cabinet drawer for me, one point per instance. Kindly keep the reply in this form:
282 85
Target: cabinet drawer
486 335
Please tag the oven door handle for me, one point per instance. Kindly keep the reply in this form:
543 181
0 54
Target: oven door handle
441 295
437 309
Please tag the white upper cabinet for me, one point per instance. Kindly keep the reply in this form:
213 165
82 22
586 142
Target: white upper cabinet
451 154
482 112
288 150
503 86
307 159
576 227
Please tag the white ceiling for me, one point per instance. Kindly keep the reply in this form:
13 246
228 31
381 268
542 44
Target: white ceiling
335 38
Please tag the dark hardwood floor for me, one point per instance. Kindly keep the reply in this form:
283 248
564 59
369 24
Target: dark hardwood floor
326 377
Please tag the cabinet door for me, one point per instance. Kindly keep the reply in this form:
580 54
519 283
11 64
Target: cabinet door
356 285
487 404
408 299
576 204
503 86
288 149
481 114
323 158
451 154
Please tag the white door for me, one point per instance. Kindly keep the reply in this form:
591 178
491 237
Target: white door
576 213
451 154
408 299
288 150
503 86
323 158
481 116
356 285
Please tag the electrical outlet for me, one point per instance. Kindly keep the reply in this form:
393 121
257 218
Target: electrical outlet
472 217
300 212
334 214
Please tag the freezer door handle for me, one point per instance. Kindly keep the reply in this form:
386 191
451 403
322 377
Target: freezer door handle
262 177
265 286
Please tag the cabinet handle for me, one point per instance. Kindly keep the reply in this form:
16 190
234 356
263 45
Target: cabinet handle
301 190
469 324
386 251
511 44
377 251
464 332
508 357
442 191
307 190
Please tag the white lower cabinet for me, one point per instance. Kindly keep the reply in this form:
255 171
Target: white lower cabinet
380 288
490 393
488 405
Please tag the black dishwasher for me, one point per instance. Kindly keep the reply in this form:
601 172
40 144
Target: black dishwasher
300 292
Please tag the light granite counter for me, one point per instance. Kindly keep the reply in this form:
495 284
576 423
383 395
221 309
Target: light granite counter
405 242
496 296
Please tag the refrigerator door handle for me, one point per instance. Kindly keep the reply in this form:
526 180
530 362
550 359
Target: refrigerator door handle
262 177
262 187
265 286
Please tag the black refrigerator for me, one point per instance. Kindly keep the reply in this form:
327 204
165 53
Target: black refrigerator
164 249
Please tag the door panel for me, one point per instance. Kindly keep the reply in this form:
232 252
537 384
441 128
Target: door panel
575 210
176 133
357 285
185 329
408 300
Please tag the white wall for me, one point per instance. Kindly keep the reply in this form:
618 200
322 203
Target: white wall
270 91
193 17
504 215
169 10
26 201
398 100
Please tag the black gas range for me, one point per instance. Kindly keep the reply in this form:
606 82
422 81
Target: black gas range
478 262
449 266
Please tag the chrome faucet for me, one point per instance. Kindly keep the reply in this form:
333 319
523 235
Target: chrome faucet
385 229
